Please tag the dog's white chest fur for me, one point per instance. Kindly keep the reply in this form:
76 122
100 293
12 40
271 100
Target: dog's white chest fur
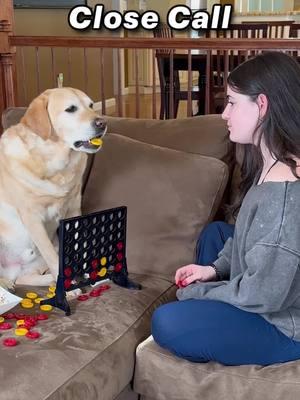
18 253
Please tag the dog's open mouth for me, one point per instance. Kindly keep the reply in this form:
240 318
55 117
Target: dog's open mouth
94 143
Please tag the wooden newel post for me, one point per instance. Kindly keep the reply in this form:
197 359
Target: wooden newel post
7 61
7 56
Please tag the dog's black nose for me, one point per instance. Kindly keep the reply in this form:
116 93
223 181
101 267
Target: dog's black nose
99 124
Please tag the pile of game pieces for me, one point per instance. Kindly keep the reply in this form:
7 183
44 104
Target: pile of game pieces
24 322
96 292
22 326
32 299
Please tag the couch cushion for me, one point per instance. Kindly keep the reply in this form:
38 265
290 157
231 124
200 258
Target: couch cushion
12 115
205 134
89 355
170 196
161 376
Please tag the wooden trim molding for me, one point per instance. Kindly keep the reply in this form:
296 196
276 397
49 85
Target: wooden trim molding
154 43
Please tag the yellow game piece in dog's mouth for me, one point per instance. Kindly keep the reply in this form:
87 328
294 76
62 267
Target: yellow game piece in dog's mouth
96 142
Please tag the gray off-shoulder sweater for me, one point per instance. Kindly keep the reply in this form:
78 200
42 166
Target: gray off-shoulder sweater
261 264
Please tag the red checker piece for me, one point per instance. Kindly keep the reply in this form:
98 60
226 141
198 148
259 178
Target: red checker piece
33 335
96 293
28 324
119 256
83 297
10 316
105 287
68 272
120 246
67 283
94 264
20 316
30 318
118 267
5 326
42 317
10 342
94 275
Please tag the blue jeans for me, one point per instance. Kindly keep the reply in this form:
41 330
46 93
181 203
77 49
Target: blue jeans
208 330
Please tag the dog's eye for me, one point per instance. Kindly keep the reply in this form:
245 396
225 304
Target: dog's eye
91 105
71 109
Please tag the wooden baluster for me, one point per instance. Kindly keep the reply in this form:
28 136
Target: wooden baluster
137 88
119 92
102 81
154 84
7 57
208 82
85 70
37 66
69 67
171 89
53 67
226 72
8 78
24 76
189 99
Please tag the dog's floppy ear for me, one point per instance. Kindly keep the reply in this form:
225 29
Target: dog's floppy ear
37 118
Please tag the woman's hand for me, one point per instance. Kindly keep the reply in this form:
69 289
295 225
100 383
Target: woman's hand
192 272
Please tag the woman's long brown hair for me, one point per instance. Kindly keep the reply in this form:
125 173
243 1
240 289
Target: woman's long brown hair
277 76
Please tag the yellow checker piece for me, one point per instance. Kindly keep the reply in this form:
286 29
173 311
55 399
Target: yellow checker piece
26 300
38 300
103 261
1 320
46 307
31 295
102 272
20 322
52 289
27 304
21 331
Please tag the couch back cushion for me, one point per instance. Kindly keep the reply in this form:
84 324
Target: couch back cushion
206 134
11 116
170 195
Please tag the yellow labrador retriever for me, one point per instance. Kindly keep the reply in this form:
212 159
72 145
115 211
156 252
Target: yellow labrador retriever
42 161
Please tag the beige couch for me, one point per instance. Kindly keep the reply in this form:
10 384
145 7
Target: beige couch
172 175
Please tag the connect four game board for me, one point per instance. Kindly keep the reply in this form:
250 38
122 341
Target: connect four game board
92 248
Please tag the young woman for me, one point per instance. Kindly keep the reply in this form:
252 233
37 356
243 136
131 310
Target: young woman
245 307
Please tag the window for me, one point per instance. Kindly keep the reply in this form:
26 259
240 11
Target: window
48 3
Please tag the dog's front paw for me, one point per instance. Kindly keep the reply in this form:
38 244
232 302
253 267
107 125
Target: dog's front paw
7 284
